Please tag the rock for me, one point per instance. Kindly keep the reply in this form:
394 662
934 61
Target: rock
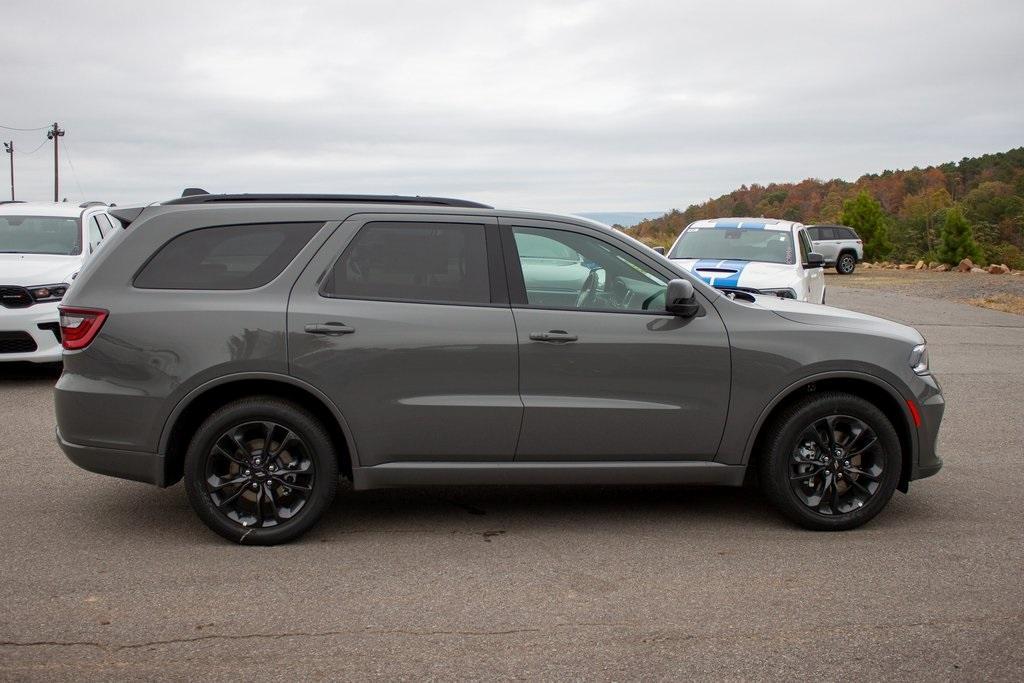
941 268
907 266
919 266
965 266
978 270
867 265
998 269
933 264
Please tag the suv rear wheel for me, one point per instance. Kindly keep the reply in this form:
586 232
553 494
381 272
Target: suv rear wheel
260 471
831 461
846 264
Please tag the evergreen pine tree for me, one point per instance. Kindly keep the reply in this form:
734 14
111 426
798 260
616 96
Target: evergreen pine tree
956 240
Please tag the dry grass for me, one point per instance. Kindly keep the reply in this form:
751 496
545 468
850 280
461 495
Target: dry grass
1009 303
999 292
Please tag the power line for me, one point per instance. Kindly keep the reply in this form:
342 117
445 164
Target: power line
24 130
74 173
36 149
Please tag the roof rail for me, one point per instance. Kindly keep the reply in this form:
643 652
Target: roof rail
11 201
328 198
86 205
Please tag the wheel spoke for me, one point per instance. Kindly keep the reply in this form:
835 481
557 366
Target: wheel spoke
860 487
232 497
861 473
229 454
807 475
273 501
863 448
222 483
297 487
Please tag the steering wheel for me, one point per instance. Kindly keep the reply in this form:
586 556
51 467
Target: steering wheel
589 290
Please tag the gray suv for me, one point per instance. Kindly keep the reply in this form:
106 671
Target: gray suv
259 346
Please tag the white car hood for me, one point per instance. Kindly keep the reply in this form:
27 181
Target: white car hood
27 270
752 274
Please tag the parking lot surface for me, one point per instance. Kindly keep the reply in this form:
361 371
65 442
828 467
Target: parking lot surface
105 579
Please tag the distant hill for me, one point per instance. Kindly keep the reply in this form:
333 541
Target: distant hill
626 219
988 190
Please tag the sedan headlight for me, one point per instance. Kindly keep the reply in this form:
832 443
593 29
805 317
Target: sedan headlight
919 359
41 293
784 293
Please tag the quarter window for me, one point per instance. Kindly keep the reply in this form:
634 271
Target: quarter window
226 257
570 270
411 261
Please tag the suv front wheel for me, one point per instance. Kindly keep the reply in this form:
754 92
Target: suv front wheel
846 264
260 471
831 461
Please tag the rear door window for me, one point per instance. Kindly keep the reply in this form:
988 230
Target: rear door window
413 261
226 257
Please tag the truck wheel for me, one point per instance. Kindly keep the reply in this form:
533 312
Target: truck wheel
846 264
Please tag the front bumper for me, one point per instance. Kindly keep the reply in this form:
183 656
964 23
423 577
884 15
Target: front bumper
931 406
137 466
28 320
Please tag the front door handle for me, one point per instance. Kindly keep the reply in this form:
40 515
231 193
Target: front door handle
329 328
554 336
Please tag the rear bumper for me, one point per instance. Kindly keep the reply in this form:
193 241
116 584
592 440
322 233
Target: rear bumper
145 467
48 348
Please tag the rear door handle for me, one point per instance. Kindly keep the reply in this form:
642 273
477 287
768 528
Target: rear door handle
329 328
554 336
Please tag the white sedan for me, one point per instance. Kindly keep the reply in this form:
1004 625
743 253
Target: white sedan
757 255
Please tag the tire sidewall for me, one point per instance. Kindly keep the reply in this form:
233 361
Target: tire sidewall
785 440
288 415
844 259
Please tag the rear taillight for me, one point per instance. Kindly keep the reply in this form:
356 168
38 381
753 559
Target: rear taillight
78 326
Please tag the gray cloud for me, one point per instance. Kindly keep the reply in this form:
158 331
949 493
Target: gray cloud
590 105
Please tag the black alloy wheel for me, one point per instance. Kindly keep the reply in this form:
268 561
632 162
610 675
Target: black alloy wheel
830 461
837 465
261 471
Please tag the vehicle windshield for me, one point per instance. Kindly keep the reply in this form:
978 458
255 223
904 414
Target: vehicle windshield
40 235
737 244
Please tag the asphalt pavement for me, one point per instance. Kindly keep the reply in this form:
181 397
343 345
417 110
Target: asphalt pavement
107 579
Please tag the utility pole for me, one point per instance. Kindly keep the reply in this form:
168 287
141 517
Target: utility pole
9 148
52 134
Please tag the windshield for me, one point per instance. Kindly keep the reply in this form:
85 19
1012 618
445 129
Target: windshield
40 235
739 244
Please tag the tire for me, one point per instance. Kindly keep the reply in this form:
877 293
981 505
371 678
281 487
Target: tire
283 458
846 264
793 475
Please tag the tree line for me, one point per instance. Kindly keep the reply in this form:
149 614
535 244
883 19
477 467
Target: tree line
973 209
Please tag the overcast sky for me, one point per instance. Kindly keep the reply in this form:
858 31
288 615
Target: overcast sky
559 105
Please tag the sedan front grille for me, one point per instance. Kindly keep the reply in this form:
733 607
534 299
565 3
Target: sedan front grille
16 342
14 297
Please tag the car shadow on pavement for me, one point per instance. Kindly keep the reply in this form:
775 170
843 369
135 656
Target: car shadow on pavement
20 372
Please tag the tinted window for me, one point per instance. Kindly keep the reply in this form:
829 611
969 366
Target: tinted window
805 245
95 235
825 234
105 227
40 235
226 257
845 234
428 262
564 269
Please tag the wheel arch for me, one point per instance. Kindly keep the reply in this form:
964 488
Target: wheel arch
881 393
191 410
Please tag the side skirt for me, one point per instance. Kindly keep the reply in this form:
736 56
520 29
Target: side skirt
397 474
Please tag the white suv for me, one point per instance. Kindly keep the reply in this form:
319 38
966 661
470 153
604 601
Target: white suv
43 245
756 255
840 245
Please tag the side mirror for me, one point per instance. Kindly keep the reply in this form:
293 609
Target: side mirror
814 260
660 250
680 299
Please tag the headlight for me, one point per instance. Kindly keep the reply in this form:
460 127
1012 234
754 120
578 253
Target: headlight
919 359
781 293
41 293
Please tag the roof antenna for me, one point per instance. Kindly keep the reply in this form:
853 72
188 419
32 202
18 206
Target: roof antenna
193 191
